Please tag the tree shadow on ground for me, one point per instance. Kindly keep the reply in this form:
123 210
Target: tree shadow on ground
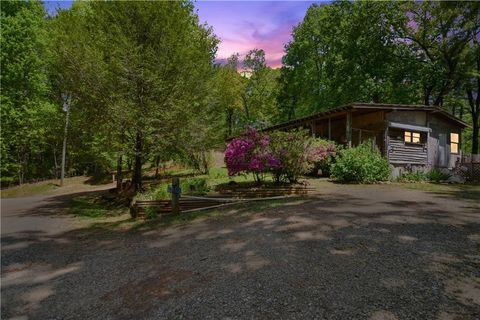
325 256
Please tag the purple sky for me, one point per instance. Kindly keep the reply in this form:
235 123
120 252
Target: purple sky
244 25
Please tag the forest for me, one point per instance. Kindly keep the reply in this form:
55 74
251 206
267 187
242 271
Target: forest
130 84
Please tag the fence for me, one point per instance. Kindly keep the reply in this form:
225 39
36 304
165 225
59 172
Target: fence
470 167
226 197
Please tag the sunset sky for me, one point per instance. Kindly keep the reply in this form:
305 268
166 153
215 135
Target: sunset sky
244 25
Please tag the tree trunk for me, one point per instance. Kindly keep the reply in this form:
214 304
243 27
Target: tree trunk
157 163
475 134
119 172
246 108
64 149
475 112
55 172
229 123
426 97
137 166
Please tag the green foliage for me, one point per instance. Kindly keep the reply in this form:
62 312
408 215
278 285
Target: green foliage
361 164
95 207
433 175
436 175
194 186
416 176
291 149
134 69
343 52
151 212
29 118
322 155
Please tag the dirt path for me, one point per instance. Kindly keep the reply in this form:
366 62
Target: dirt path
350 252
44 213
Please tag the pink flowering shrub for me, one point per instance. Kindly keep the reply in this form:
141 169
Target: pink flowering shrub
321 154
286 155
250 153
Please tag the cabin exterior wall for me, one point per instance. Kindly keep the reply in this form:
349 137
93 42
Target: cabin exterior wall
440 150
434 149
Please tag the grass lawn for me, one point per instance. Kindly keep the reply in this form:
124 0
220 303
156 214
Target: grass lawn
95 206
460 191
29 189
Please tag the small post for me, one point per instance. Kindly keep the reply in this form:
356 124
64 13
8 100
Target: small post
175 195
329 128
66 108
349 129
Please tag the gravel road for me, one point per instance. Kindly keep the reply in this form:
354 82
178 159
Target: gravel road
352 252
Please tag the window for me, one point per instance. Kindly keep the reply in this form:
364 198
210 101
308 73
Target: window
412 137
454 142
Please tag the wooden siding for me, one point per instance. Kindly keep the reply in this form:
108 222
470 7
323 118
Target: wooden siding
406 153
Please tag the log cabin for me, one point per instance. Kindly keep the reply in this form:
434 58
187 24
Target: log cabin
410 137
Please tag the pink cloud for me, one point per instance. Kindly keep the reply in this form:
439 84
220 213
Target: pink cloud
242 26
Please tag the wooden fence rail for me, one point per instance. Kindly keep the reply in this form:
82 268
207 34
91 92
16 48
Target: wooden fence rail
225 198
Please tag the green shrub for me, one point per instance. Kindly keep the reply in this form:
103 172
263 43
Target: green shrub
321 154
289 150
416 176
151 212
436 175
194 185
362 164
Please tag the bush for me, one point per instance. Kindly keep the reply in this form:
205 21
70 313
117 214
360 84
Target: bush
250 154
286 155
416 176
194 185
290 149
151 213
436 175
321 154
362 164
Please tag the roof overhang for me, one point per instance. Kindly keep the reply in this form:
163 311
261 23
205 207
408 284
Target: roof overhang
408 127
367 106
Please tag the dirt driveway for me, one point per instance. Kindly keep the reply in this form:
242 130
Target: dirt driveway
351 252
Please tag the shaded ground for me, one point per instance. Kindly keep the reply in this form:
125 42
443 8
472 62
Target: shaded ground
350 252
45 214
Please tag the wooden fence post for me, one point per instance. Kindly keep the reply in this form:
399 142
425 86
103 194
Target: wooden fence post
175 195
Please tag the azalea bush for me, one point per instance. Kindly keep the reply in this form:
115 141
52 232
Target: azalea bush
321 155
250 153
285 155
361 164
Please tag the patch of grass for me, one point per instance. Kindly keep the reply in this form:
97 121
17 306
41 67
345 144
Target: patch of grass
195 185
460 191
95 207
29 189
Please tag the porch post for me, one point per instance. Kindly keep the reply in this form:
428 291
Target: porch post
329 128
386 142
349 129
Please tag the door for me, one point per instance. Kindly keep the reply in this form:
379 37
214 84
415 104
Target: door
442 154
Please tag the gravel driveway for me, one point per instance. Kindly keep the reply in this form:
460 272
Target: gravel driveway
352 252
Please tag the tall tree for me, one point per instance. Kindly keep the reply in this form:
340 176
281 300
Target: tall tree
28 115
261 84
228 90
438 34
328 63
472 89
154 61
